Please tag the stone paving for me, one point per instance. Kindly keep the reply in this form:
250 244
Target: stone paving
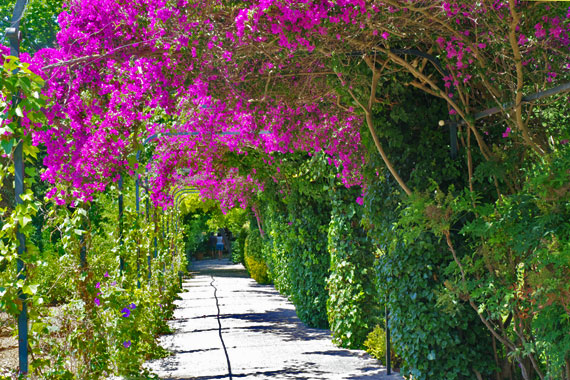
227 326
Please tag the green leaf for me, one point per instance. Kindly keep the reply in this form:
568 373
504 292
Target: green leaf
28 196
30 289
25 220
7 145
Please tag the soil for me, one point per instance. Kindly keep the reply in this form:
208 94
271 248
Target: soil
8 346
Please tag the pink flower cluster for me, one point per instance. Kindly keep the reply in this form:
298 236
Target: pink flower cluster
126 70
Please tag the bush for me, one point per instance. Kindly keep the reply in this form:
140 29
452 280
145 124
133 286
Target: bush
254 261
435 340
308 263
375 344
353 305
297 256
238 246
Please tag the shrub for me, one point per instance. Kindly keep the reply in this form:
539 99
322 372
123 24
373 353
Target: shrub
353 305
297 256
254 261
375 344
306 248
435 340
238 246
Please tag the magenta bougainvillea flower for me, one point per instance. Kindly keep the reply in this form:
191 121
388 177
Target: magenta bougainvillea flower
193 72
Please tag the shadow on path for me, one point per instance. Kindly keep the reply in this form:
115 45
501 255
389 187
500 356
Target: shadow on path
264 338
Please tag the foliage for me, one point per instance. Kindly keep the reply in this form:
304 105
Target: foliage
238 246
353 304
450 339
39 26
300 77
433 341
518 264
254 261
296 248
279 259
195 237
375 344
101 320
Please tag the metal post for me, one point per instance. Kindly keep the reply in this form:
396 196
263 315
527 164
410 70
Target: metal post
388 353
171 243
121 242
163 245
155 232
137 208
137 194
21 268
14 36
83 252
148 258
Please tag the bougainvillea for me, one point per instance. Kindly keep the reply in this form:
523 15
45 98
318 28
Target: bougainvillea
224 88
212 68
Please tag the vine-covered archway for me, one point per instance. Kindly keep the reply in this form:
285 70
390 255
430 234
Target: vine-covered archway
280 107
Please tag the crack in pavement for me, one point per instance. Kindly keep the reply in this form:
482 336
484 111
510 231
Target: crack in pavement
220 329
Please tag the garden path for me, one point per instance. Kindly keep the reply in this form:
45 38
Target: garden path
224 316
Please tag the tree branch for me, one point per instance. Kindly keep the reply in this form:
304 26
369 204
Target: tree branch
520 80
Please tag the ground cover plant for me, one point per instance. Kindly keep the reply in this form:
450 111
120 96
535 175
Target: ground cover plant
466 213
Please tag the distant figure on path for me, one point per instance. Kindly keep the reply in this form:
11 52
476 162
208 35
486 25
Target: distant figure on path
219 245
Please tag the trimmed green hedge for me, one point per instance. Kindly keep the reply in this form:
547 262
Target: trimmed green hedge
254 261
353 306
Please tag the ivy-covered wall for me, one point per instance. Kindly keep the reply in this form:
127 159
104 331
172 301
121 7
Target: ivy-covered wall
353 307
296 253
434 339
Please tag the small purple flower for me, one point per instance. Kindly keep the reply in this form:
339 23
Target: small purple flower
106 274
127 343
506 133
97 302
564 142
113 283
98 285
126 312
132 306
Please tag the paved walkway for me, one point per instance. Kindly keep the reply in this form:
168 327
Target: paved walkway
226 324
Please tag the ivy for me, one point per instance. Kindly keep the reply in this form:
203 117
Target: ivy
353 307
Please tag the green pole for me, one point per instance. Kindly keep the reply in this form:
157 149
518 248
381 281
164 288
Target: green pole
14 35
